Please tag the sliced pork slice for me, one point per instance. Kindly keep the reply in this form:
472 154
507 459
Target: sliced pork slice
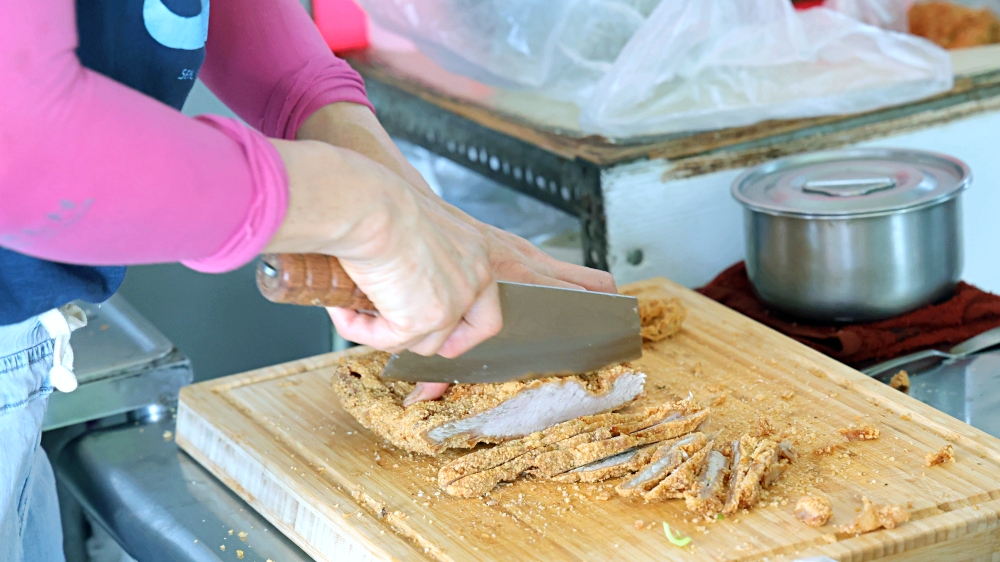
682 478
612 467
556 462
707 496
480 471
764 468
742 456
469 414
477 484
668 457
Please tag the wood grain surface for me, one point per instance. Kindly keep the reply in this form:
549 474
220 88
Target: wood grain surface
279 439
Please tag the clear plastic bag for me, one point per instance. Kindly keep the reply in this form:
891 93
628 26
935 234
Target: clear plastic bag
887 14
522 44
699 64
644 67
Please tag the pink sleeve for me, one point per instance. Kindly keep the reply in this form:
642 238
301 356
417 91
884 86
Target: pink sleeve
267 61
93 172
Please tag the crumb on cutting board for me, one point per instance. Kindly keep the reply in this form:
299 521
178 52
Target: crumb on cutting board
813 510
943 455
875 516
860 433
764 427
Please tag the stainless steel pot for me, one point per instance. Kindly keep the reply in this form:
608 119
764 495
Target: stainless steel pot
853 235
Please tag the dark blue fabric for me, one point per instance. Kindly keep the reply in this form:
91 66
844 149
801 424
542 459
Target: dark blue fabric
117 41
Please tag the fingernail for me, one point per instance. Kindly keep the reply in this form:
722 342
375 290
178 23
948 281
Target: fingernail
416 396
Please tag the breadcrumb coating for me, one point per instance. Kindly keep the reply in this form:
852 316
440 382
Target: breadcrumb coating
378 404
660 317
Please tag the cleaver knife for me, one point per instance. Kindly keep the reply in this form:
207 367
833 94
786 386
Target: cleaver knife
547 331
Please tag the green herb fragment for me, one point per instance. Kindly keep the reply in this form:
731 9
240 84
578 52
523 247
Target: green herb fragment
677 540
720 517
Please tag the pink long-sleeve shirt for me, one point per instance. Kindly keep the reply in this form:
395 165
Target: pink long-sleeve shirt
93 172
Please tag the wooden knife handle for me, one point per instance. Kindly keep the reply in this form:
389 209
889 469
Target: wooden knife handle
309 280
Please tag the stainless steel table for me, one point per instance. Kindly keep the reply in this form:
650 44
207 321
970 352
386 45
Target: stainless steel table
122 363
157 503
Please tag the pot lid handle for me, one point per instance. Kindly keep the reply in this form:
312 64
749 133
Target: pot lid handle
853 187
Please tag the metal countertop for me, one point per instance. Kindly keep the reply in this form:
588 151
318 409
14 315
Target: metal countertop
159 504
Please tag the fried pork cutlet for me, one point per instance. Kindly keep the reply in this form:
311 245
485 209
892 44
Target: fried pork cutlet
619 465
480 471
814 511
660 317
682 478
561 460
708 493
668 457
469 414
742 457
875 516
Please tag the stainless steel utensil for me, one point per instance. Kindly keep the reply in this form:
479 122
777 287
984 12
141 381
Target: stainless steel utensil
853 235
546 331
983 341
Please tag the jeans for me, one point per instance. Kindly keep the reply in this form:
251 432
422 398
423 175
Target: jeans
30 527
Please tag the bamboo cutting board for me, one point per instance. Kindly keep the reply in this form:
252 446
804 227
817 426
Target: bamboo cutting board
278 437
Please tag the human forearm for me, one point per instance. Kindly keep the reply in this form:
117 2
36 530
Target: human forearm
353 126
93 172
513 258
266 60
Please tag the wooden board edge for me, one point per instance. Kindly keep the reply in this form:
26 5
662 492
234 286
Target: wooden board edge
946 427
195 436
975 527
290 368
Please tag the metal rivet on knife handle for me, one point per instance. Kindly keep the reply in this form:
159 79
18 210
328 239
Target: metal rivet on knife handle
309 280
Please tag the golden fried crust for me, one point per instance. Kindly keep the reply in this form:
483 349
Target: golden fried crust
378 404
862 433
708 493
682 478
765 455
743 449
659 317
875 516
665 460
479 483
480 471
556 462
944 454
485 459
814 511
637 460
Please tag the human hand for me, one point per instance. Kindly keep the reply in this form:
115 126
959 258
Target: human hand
513 258
426 271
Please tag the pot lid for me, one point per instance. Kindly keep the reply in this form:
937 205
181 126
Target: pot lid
855 182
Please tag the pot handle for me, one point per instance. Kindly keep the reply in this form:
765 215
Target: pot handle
853 187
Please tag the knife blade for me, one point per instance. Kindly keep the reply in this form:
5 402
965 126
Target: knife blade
547 331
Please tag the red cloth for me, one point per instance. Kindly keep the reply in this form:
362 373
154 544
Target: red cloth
970 311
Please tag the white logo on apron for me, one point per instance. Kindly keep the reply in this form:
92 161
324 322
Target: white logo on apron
172 30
